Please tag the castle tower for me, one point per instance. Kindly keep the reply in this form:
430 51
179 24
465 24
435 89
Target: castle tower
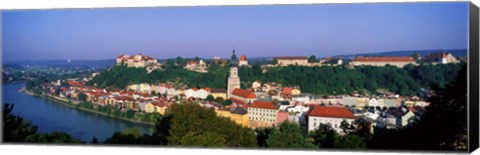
233 79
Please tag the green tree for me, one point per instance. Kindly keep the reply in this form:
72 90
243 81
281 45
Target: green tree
312 58
274 61
82 97
227 102
324 136
15 128
201 126
350 141
288 135
210 98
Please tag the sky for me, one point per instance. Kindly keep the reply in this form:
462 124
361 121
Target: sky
256 31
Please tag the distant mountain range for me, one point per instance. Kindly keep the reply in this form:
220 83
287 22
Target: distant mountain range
455 52
65 63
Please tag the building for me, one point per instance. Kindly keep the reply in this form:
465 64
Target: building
292 60
238 115
256 85
243 95
138 61
219 93
233 79
440 58
197 66
243 61
262 114
329 115
382 61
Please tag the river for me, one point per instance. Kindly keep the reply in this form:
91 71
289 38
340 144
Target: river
50 116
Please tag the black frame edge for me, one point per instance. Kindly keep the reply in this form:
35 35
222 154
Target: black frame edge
473 62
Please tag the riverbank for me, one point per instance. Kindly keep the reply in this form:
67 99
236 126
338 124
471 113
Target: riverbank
65 103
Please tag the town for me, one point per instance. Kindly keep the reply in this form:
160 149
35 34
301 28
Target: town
262 103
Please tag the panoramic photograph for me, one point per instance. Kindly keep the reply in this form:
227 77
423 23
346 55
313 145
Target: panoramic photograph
365 76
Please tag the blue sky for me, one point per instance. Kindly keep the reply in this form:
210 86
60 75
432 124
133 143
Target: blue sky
257 31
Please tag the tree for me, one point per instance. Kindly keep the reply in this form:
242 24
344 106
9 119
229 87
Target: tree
210 98
196 59
227 102
288 135
416 56
130 113
189 123
54 137
15 128
179 60
346 127
324 136
128 136
274 61
262 136
312 58
82 97
350 141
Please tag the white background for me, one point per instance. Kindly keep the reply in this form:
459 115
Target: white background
89 150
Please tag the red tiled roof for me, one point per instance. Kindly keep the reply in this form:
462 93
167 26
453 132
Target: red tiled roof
74 83
239 102
435 56
291 57
243 58
263 105
243 93
338 112
207 89
287 90
384 59
193 62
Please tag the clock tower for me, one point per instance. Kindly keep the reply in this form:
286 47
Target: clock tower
233 79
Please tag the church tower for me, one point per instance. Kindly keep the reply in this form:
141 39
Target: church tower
233 79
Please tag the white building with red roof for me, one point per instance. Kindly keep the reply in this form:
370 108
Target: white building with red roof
329 115
243 61
262 114
382 61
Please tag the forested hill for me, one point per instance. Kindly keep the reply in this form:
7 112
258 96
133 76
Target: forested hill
325 80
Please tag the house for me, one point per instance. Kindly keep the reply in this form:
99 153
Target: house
237 114
287 91
440 58
243 61
382 61
262 114
243 95
400 116
256 86
301 98
197 66
296 91
329 115
156 106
